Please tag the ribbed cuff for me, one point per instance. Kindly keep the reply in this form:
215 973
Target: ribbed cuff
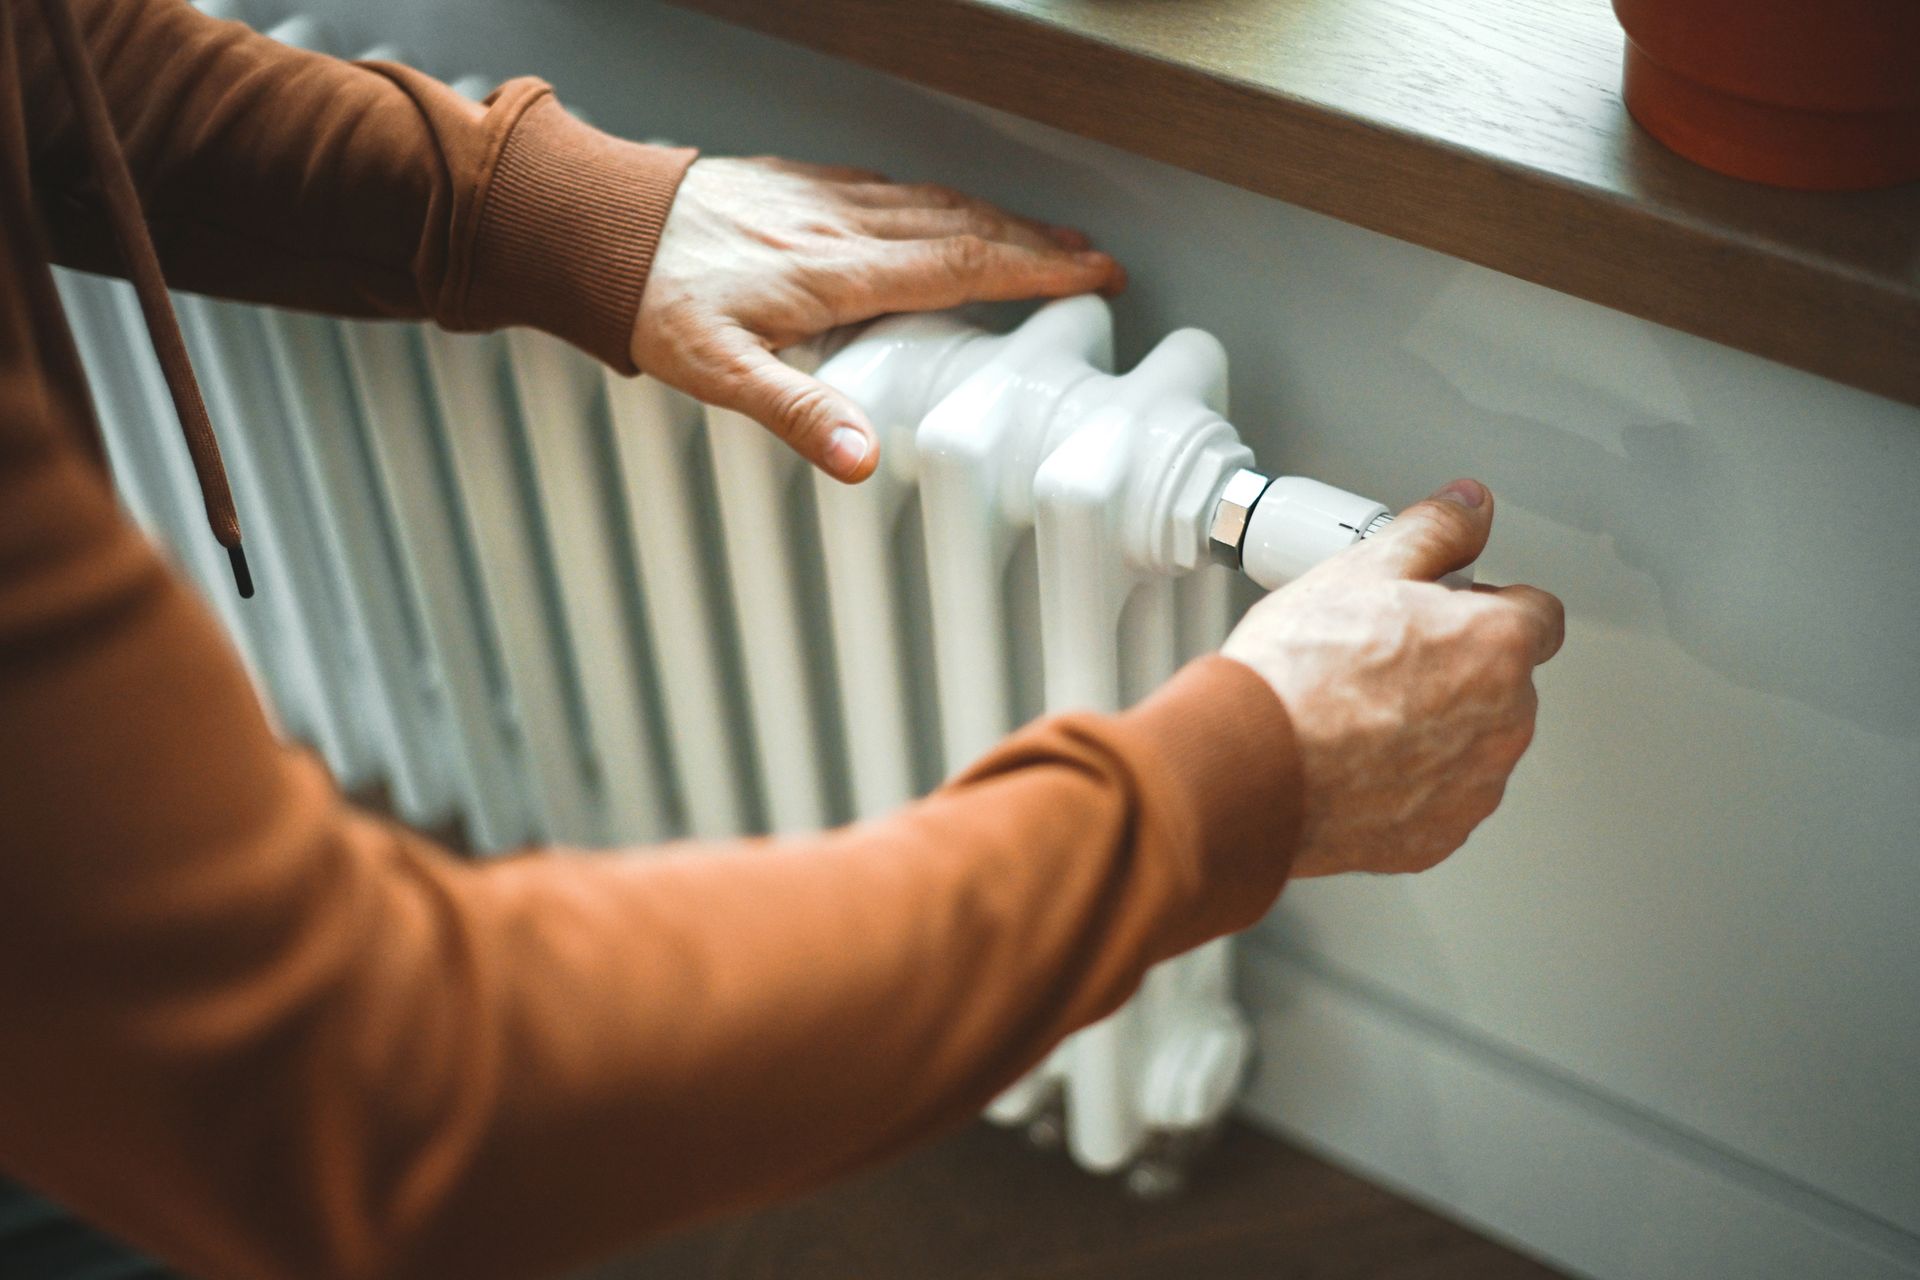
1221 736
567 231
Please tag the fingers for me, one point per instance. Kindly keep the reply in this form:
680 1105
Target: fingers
903 211
1433 538
1544 617
941 224
928 275
820 424
916 195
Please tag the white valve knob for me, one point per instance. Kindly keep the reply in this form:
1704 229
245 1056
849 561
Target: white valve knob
1274 531
1298 523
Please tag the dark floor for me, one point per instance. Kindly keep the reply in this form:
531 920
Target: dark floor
984 1204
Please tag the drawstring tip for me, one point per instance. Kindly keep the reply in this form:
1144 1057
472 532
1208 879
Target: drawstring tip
242 576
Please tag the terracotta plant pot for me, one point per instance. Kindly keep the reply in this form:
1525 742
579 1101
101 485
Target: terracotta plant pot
1821 94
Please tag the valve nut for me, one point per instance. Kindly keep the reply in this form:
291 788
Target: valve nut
1227 531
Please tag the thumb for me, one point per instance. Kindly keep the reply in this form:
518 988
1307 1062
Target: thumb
817 422
1433 538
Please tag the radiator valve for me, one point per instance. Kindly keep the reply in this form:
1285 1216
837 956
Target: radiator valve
1274 530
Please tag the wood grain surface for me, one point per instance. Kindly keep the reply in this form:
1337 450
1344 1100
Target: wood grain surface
982 1206
1491 130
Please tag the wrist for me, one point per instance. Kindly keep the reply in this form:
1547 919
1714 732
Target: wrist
1225 740
567 232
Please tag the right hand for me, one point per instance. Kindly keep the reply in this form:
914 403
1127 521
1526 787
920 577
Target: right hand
1411 703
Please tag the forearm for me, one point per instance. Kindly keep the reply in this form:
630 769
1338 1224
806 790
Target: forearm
279 175
330 1049
740 1024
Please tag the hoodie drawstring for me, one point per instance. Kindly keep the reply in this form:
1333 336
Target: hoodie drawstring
143 269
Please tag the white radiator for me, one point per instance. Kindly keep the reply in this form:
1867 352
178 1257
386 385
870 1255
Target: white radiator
549 603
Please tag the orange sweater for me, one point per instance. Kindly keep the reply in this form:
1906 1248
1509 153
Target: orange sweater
262 1035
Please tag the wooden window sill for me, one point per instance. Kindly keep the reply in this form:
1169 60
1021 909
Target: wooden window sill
1491 130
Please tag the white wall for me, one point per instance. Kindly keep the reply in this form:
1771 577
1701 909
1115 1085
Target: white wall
1662 1017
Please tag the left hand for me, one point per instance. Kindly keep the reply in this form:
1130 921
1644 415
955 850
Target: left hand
759 254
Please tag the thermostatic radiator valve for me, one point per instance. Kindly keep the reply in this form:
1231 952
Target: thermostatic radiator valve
1274 530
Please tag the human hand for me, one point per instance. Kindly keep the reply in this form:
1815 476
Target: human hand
759 254
1411 703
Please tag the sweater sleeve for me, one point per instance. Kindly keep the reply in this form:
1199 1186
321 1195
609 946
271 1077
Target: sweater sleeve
265 1036
274 174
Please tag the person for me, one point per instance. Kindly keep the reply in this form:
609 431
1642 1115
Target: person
259 1034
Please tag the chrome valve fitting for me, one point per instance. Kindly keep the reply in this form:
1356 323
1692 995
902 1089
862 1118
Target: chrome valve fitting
1227 531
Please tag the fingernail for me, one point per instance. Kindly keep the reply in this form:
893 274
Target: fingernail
1464 493
846 450
1068 238
1094 258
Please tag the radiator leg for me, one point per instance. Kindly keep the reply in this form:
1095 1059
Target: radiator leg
1165 1165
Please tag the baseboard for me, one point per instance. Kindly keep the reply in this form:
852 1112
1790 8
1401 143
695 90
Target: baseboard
1587 1183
